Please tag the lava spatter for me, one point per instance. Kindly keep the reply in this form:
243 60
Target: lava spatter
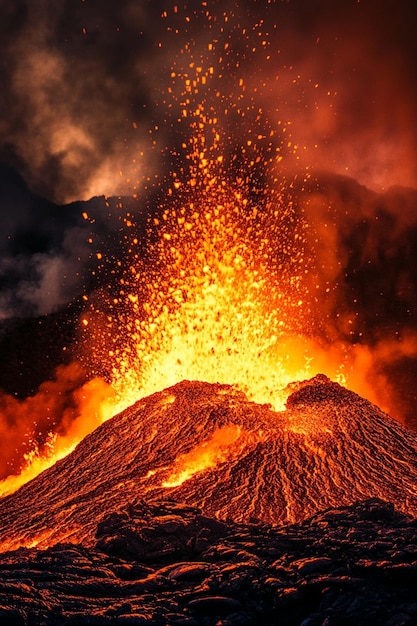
218 288
215 292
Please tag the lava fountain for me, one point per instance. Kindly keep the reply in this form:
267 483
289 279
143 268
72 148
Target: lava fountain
220 287
222 300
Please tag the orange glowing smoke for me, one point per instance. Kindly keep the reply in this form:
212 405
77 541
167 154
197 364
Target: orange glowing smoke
51 422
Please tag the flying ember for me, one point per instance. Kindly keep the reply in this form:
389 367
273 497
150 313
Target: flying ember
218 288
221 294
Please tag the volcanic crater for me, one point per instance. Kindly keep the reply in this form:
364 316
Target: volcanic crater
208 446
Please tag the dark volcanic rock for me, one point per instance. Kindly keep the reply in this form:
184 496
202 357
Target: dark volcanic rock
145 532
352 566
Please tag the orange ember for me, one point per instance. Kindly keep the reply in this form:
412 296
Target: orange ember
223 300
221 292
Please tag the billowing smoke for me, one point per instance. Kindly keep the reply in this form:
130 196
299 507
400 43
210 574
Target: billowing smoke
61 413
49 253
84 109
77 83
343 75
364 246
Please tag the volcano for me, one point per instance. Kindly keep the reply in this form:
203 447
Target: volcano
207 446
124 529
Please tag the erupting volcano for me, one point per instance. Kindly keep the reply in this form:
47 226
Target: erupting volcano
238 262
215 405
124 528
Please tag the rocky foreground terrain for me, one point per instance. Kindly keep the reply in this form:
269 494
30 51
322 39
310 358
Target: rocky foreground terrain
168 564
286 518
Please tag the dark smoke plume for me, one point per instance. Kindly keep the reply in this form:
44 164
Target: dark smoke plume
84 109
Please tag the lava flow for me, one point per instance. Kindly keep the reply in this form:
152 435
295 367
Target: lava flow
209 446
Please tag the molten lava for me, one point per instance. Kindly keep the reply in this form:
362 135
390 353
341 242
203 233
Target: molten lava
209 446
206 455
219 289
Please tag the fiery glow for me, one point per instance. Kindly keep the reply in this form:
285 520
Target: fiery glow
218 290
222 286
79 407
212 310
207 454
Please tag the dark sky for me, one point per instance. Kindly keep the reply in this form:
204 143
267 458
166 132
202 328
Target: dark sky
84 83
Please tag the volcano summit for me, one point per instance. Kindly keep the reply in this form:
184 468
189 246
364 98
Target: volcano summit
124 529
208 446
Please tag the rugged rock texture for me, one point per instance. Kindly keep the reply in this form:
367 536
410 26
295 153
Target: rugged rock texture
208 446
101 538
168 564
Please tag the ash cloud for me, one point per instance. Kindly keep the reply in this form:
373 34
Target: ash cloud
364 246
48 253
77 84
365 284
43 251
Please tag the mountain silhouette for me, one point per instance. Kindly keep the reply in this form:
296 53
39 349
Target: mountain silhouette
208 446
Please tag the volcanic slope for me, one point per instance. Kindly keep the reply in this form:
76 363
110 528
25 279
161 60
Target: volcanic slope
208 446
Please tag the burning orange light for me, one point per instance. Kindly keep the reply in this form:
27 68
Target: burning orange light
226 292
80 407
208 454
